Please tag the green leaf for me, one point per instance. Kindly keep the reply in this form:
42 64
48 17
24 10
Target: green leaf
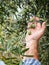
24 50
1 49
2 41
20 62
28 55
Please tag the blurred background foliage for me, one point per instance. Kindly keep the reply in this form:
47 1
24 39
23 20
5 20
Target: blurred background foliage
14 15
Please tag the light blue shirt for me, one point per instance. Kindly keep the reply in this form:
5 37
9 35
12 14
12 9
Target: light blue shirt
2 63
31 61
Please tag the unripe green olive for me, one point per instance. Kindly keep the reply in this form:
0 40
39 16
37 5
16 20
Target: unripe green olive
29 33
32 26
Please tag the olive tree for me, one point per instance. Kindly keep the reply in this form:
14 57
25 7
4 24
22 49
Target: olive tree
14 16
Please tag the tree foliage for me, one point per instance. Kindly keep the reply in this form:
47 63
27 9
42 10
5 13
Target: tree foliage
14 16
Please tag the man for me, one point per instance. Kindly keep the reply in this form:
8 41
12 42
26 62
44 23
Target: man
32 43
